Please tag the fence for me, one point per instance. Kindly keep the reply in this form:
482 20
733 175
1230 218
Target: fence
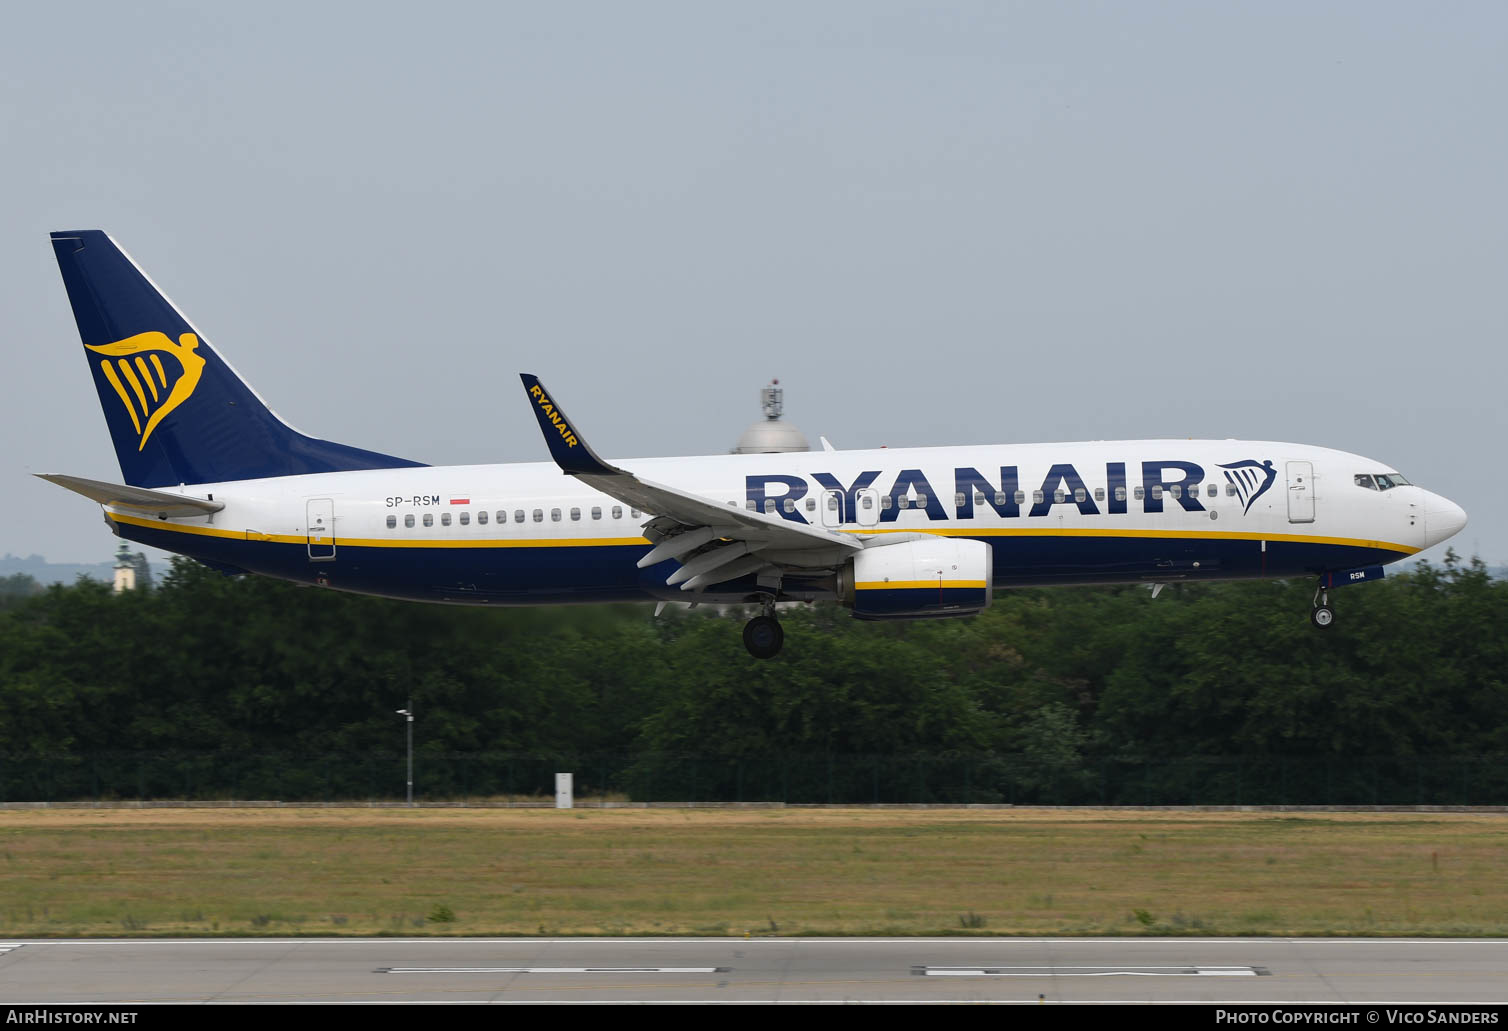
834 779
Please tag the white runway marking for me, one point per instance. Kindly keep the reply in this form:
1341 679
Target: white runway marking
1182 971
553 970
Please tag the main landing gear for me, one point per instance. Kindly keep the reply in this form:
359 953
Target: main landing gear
1323 615
763 635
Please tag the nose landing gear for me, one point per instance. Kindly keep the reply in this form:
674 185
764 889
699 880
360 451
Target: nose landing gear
1323 615
763 635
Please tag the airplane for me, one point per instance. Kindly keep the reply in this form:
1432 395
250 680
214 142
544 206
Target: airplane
213 473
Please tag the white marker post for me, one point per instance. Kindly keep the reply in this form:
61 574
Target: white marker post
564 795
408 715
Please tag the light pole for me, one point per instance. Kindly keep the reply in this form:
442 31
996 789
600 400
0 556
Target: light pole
409 719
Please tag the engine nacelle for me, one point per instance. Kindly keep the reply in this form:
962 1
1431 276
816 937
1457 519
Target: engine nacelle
919 579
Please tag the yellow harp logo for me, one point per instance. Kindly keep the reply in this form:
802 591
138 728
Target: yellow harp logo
142 381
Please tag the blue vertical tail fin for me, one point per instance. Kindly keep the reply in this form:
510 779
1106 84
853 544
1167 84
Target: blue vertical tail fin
176 411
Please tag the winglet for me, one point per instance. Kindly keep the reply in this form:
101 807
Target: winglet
569 450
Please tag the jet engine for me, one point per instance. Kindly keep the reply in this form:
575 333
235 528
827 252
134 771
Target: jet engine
917 579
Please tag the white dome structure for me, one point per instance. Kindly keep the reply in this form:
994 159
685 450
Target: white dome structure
769 435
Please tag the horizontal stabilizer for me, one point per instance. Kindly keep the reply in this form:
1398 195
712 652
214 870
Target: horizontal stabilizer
157 502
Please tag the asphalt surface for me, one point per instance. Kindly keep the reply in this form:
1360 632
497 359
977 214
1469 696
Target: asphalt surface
759 970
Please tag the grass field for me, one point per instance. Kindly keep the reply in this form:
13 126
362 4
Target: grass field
762 872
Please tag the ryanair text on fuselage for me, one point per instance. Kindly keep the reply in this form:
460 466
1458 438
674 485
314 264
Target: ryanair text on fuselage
1157 482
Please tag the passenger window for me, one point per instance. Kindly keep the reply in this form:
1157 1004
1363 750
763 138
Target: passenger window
789 504
1000 498
958 499
518 516
1212 491
408 521
617 511
1058 497
1020 497
832 503
1036 497
1176 490
554 515
575 515
811 504
1230 490
1099 493
634 512
466 518
1120 494
903 502
1140 493
539 515
429 520
921 501
769 506
866 502
1080 494
444 518
481 518
596 512
1156 490
392 522
886 502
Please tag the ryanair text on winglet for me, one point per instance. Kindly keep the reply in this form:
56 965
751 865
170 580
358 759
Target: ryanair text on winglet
555 419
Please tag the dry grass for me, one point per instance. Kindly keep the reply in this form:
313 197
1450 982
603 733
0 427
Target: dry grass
361 871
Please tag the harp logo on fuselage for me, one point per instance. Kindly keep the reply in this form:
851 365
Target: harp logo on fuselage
1250 480
149 388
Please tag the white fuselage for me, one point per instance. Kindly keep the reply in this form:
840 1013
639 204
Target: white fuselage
1101 511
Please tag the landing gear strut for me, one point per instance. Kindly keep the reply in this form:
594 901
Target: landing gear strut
763 635
1323 615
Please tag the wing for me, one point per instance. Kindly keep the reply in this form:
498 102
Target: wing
715 541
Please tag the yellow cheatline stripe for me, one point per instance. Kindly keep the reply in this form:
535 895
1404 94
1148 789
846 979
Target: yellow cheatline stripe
358 542
146 376
141 395
109 371
606 542
913 585
533 542
1218 535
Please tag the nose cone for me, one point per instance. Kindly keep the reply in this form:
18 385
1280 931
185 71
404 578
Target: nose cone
1443 519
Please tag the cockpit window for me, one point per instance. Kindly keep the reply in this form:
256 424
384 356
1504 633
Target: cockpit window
1365 480
1380 481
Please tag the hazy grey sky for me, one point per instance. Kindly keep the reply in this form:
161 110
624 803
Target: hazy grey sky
935 222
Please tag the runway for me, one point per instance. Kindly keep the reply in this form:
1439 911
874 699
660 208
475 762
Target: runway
758 970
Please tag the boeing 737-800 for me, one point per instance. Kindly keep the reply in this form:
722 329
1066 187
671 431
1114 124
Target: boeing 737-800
211 472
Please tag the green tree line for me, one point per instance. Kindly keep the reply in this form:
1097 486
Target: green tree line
209 665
